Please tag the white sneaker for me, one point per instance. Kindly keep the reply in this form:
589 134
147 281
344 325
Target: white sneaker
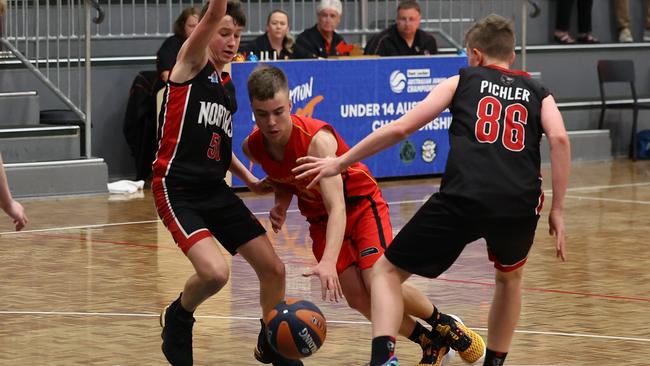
646 35
625 36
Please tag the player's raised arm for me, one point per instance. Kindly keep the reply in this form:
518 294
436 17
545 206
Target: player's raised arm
388 135
558 141
194 52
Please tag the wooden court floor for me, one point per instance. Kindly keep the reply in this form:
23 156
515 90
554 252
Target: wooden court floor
84 283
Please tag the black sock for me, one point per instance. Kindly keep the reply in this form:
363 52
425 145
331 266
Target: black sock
433 319
494 358
180 312
383 348
417 332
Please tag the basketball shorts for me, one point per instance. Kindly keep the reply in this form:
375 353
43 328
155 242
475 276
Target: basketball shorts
368 233
434 238
192 214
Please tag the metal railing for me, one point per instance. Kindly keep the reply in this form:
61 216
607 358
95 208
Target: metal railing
50 40
138 19
51 37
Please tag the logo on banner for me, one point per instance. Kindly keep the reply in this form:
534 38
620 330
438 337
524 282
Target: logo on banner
397 81
428 151
414 81
407 152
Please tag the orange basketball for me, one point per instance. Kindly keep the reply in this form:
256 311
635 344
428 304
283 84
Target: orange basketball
296 328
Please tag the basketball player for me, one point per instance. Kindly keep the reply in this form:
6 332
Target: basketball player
491 187
348 218
192 198
12 208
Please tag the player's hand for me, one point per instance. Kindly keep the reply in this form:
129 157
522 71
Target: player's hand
329 280
17 214
320 168
260 186
556 228
277 216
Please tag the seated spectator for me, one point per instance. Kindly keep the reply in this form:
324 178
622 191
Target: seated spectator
183 27
563 15
404 38
622 12
322 40
276 40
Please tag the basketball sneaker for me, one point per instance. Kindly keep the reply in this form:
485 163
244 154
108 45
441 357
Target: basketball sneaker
466 342
435 352
176 335
393 361
264 353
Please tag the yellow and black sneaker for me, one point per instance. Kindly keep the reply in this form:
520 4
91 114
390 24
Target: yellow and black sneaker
469 344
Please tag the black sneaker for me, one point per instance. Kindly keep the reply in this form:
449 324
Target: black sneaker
264 353
176 335
469 344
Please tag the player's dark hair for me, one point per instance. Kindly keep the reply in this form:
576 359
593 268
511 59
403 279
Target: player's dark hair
494 35
265 81
408 4
234 9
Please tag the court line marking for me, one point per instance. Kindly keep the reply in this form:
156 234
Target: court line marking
151 315
576 189
616 200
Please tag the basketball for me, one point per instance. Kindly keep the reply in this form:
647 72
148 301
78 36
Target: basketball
296 328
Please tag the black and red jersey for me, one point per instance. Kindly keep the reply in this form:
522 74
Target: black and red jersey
196 128
493 167
357 180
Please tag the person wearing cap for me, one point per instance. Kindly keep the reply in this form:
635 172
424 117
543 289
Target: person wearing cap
321 40
404 38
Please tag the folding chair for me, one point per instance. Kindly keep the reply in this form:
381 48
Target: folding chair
620 71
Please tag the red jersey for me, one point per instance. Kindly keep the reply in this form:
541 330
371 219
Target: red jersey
357 180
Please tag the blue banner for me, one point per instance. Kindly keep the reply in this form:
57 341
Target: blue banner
357 96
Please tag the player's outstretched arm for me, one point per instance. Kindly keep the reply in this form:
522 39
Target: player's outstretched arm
437 101
8 204
255 185
194 54
558 140
331 188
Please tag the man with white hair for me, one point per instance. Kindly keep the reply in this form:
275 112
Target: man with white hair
321 40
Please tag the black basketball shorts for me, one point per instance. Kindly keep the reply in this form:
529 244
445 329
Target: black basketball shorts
192 214
434 238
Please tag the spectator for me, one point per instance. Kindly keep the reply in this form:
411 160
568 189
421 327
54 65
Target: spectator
561 34
277 40
322 40
7 203
183 27
404 38
622 12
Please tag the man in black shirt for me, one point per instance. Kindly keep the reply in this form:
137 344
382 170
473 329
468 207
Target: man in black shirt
403 38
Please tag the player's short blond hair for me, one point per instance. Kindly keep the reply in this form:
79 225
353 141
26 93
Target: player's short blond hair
494 35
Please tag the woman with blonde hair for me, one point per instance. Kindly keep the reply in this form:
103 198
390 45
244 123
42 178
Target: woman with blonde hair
276 43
